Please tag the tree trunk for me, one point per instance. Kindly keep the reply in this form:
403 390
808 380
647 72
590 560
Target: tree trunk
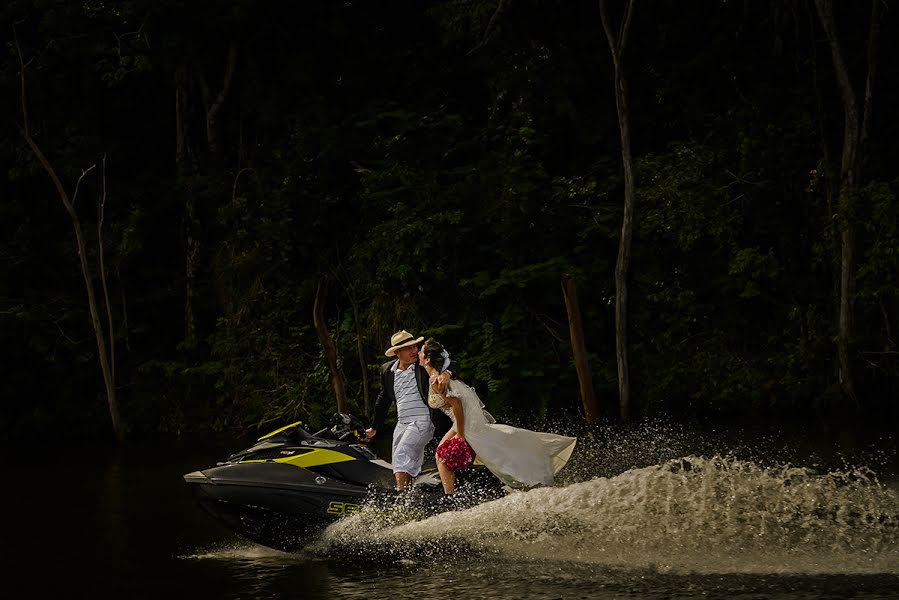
183 168
213 107
855 133
181 119
617 41
321 328
362 364
101 212
579 350
105 355
213 165
191 268
829 193
350 290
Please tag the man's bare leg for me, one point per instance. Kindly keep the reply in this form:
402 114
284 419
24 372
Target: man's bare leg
402 480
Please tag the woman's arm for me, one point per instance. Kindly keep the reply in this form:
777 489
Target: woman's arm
456 405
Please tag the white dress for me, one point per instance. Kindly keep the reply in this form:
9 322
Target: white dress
518 457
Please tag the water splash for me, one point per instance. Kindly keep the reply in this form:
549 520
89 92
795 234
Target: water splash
690 514
240 550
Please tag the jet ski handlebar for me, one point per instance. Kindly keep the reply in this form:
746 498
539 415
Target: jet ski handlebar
344 427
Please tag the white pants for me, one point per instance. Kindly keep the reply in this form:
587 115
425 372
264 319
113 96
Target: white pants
409 441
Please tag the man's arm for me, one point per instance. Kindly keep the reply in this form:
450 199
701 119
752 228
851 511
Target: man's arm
453 369
380 413
381 406
442 380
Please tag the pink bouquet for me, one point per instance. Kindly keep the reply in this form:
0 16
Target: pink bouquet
456 454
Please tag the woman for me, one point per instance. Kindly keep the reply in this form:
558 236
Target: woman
518 457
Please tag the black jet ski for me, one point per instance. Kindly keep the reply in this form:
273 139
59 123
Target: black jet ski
288 486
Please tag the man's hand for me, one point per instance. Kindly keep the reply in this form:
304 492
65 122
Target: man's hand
439 382
370 433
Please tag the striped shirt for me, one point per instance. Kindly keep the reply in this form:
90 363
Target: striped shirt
409 405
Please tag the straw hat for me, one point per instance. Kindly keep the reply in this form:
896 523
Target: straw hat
400 339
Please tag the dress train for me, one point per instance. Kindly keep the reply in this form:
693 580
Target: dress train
518 457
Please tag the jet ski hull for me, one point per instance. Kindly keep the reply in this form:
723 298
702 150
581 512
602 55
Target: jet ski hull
291 484
272 504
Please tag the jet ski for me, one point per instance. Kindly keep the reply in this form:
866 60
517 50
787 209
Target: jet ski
291 484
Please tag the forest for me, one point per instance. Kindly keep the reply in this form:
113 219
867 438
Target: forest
215 214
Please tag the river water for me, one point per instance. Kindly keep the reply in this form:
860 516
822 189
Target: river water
657 512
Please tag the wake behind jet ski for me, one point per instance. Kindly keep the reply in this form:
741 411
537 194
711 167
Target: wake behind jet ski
291 483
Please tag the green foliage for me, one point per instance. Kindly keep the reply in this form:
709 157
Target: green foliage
878 295
438 167
751 269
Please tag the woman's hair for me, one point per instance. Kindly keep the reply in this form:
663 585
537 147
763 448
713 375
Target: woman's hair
435 352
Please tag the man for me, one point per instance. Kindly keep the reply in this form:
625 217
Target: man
405 382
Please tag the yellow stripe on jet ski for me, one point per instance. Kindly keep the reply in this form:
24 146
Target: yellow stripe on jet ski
313 458
268 435
319 456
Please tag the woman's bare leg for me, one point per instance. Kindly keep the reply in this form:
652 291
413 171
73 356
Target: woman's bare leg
447 477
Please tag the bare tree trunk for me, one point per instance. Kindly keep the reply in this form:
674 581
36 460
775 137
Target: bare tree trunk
181 143
101 211
361 353
579 350
191 268
855 133
321 328
828 191
214 105
183 162
617 42
106 363
214 162
350 290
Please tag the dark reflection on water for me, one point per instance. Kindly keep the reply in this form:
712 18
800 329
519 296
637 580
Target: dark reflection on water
122 525
504 579
273 577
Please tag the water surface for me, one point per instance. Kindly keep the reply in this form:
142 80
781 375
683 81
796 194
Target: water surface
658 512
